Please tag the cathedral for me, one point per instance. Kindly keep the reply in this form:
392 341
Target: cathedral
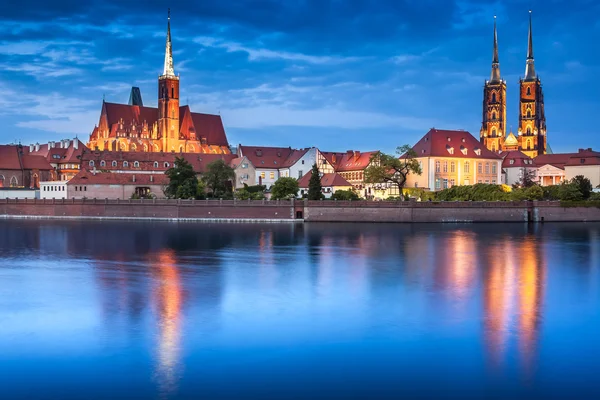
531 135
168 128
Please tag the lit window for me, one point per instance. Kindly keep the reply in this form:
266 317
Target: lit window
452 167
272 175
262 175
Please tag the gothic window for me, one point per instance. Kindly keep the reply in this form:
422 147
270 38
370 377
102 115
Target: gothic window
166 165
494 146
14 182
145 147
445 166
103 163
172 92
467 167
1 181
494 99
529 131
437 166
494 117
181 149
528 143
529 91
528 113
452 166
487 168
494 129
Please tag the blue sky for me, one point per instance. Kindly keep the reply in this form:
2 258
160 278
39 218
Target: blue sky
335 74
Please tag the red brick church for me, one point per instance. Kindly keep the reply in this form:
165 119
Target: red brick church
168 128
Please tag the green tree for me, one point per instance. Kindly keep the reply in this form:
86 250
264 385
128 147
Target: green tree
389 168
527 180
570 192
315 190
344 195
183 183
284 188
584 185
218 177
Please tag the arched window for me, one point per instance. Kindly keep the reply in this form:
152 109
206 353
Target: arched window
445 166
145 147
125 164
528 113
487 168
14 182
173 92
529 91
1 181
181 149
480 168
114 163
166 165
452 166
136 164
92 163
494 168
494 117
437 166
494 131
36 181
528 144
467 167
529 131
155 164
103 163
494 99
494 147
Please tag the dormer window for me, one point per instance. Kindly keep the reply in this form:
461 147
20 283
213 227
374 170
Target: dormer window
463 140
114 164
166 165
477 151
103 163
463 150
448 138
155 164
125 164
450 149
136 164
91 163
512 162
582 161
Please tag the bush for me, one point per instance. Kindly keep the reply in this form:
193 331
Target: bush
344 195
570 192
245 194
478 192
284 188
583 184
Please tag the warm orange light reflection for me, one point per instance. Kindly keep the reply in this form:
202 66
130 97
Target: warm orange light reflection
461 260
168 296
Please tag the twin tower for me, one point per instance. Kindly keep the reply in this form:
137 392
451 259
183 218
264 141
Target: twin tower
531 135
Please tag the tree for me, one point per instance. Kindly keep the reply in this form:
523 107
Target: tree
344 195
389 168
284 188
314 185
584 185
528 179
217 178
183 183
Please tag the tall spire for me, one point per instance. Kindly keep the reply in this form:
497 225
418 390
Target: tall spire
495 61
530 69
168 69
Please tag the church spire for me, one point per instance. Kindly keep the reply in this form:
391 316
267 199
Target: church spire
495 78
168 69
530 69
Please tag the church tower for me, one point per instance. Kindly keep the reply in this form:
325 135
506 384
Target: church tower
493 127
532 119
168 99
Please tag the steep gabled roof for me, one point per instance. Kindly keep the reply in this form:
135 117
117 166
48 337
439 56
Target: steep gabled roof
9 157
354 161
36 162
451 143
294 157
210 127
266 157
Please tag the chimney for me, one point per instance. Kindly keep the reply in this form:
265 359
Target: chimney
50 145
76 143
30 147
356 155
349 153
37 147
333 159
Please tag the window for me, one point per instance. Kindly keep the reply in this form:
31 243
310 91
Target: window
437 166
445 166
487 168
262 175
85 188
493 181
512 162
494 99
300 174
245 165
494 129
452 182
1 181
166 165
479 168
528 113
114 163
528 91
125 164
582 161
14 182
155 164
487 181
272 175
445 183
91 163
467 182
302 162
452 167
75 188
103 163
136 164
529 131
467 167
494 168
437 184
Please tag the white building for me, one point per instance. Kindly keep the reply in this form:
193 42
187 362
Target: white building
53 190
515 165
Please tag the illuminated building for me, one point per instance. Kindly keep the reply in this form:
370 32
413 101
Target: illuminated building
531 135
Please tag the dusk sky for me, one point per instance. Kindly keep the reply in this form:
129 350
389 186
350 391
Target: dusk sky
338 75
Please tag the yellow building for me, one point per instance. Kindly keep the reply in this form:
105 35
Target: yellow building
450 158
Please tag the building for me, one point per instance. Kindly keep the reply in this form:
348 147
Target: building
531 136
64 156
168 128
245 173
448 158
107 185
585 162
330 183
21 169
351 166
515 165
551 168
53 190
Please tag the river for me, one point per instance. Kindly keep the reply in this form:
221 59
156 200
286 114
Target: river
102 310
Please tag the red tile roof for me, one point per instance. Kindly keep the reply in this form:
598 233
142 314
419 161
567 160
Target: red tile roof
518 158
439 143
584 157
327 180
9 157
36 162
556 160
17 157
86 177
266 157
68 154
354 161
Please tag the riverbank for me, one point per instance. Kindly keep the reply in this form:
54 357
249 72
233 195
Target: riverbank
298 211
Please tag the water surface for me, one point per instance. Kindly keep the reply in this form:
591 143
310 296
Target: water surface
286 311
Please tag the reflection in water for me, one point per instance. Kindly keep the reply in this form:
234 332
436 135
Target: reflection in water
168 298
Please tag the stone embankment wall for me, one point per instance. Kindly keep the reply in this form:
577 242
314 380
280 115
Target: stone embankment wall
310 211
